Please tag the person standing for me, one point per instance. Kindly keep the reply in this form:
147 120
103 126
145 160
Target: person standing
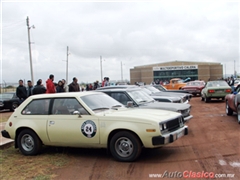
60 87
29 88
231 83
65 87
39 88
50 85
21 91
74 86
107 82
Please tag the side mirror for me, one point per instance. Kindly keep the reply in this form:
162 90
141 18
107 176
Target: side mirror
129 104
77 113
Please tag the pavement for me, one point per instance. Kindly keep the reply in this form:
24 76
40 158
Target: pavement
4 141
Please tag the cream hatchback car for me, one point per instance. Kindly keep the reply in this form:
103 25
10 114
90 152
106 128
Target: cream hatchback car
90 120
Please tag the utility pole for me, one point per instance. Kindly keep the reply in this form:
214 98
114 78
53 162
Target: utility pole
234 69
121 72
101 68
67 67
30 54
225 72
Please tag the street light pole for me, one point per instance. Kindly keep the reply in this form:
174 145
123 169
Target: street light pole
29 45
121 72
67 67
101 68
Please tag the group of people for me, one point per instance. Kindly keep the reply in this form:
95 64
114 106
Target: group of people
23 92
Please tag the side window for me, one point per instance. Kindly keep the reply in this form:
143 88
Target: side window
67 106
37 107
121 97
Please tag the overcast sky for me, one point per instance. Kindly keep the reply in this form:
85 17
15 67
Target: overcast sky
134 33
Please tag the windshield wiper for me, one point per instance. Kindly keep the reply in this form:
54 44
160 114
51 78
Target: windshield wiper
142 101
102 108
117 105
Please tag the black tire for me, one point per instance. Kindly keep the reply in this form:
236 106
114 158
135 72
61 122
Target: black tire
206 99
28 142
229 111
238 115
125 146
14 106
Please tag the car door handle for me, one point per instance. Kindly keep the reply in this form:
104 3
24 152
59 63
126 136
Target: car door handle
51 122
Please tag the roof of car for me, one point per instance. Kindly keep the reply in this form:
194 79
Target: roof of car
118 89
65 94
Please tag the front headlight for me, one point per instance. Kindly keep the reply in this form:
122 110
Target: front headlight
163 126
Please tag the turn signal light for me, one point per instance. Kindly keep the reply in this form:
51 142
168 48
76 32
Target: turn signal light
151 130
228 90
211 91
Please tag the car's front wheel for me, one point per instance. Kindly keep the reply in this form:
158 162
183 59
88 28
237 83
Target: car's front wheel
125 146
28 142
229 111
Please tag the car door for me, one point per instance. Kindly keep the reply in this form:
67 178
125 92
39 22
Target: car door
65 127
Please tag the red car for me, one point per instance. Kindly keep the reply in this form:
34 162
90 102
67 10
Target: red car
233 103
194 87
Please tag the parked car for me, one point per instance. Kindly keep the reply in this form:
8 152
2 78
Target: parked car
233 103
9 101
140 99
162 88
194 87
175 84
215 89
162 98
90 120
156 92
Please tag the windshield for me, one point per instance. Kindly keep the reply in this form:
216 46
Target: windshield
152 89
217 83
6 96
140 96
147 91
100 102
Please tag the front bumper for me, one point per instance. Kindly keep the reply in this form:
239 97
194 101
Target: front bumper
170 137
5 134
187 118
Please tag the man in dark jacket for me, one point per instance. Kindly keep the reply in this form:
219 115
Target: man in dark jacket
39 88
29 88
74 86
21 91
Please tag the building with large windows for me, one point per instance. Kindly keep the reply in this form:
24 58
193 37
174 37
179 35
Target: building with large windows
176 69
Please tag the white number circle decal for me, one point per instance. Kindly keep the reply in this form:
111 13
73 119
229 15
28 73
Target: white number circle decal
89 129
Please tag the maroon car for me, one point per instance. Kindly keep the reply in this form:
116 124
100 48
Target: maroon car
194 87
233 103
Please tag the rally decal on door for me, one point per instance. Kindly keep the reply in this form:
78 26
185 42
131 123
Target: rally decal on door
89 129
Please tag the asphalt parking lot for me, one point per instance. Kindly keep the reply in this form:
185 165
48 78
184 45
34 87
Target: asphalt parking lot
210 150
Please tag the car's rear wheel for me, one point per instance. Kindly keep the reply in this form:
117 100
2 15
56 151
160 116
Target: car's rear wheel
238 114
14 106
206 99
28 142
229 111
125 146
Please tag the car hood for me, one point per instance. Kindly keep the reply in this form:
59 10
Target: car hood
172 94
165 106
173 98
4 99
145 115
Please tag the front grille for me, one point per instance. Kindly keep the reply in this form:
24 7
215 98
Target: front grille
179 101
174 124
1 103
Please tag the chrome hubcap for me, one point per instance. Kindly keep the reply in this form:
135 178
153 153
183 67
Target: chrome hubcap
124 147
27 142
